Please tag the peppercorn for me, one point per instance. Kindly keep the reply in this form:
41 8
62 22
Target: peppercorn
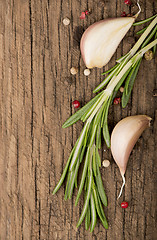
76 104
148 55
121 89
86 72
123 14
128 2
66 21
86 12
106 163
73 70
124 204
116 100
82 15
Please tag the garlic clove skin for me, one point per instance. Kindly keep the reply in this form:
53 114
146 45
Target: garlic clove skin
124 137
100 41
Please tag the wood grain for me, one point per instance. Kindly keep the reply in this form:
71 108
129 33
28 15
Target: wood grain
36 54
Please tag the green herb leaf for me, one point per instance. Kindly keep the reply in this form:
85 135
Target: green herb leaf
98 159
98 136
154 48
105 223
129 85
103 220
106 133
144 21
79 145
141 31
73 179
85 206
100 187
106 80
110 70
87 218
64 173
67 187
149 37
87 158
94 162
77 116
93 107
93 213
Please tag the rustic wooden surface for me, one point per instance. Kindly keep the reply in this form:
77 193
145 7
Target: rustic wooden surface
36 91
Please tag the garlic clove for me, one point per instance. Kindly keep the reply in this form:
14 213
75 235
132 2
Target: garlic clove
124 137
100 40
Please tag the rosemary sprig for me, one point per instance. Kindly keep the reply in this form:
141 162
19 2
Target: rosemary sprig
95 115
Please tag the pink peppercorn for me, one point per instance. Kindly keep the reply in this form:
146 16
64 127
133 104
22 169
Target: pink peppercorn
86 12
128 2
123 14
124 204
82 15
116 100
76 104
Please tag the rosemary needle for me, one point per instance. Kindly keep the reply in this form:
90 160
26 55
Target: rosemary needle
144 21
141 31
87 218
84 210
83 176
93 213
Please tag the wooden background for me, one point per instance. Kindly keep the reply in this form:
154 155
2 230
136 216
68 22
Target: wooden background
36 92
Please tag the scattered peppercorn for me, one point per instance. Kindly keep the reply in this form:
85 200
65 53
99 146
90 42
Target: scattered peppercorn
128 2
106 163
124 204
148 55
86 12
121 89
123 14
73 70
86 72
116 100
82 15
76 104
66 21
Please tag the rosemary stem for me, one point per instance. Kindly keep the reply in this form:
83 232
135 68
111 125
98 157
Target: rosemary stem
143 37
114 81
140 41
78 146
104 98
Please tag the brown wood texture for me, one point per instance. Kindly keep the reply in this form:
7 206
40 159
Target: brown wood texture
36 92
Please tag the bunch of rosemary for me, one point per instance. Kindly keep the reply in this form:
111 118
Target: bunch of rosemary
95 114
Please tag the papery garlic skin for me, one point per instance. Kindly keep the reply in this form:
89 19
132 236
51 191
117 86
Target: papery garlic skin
100 41
123 138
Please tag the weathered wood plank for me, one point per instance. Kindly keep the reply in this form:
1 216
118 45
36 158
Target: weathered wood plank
36 54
